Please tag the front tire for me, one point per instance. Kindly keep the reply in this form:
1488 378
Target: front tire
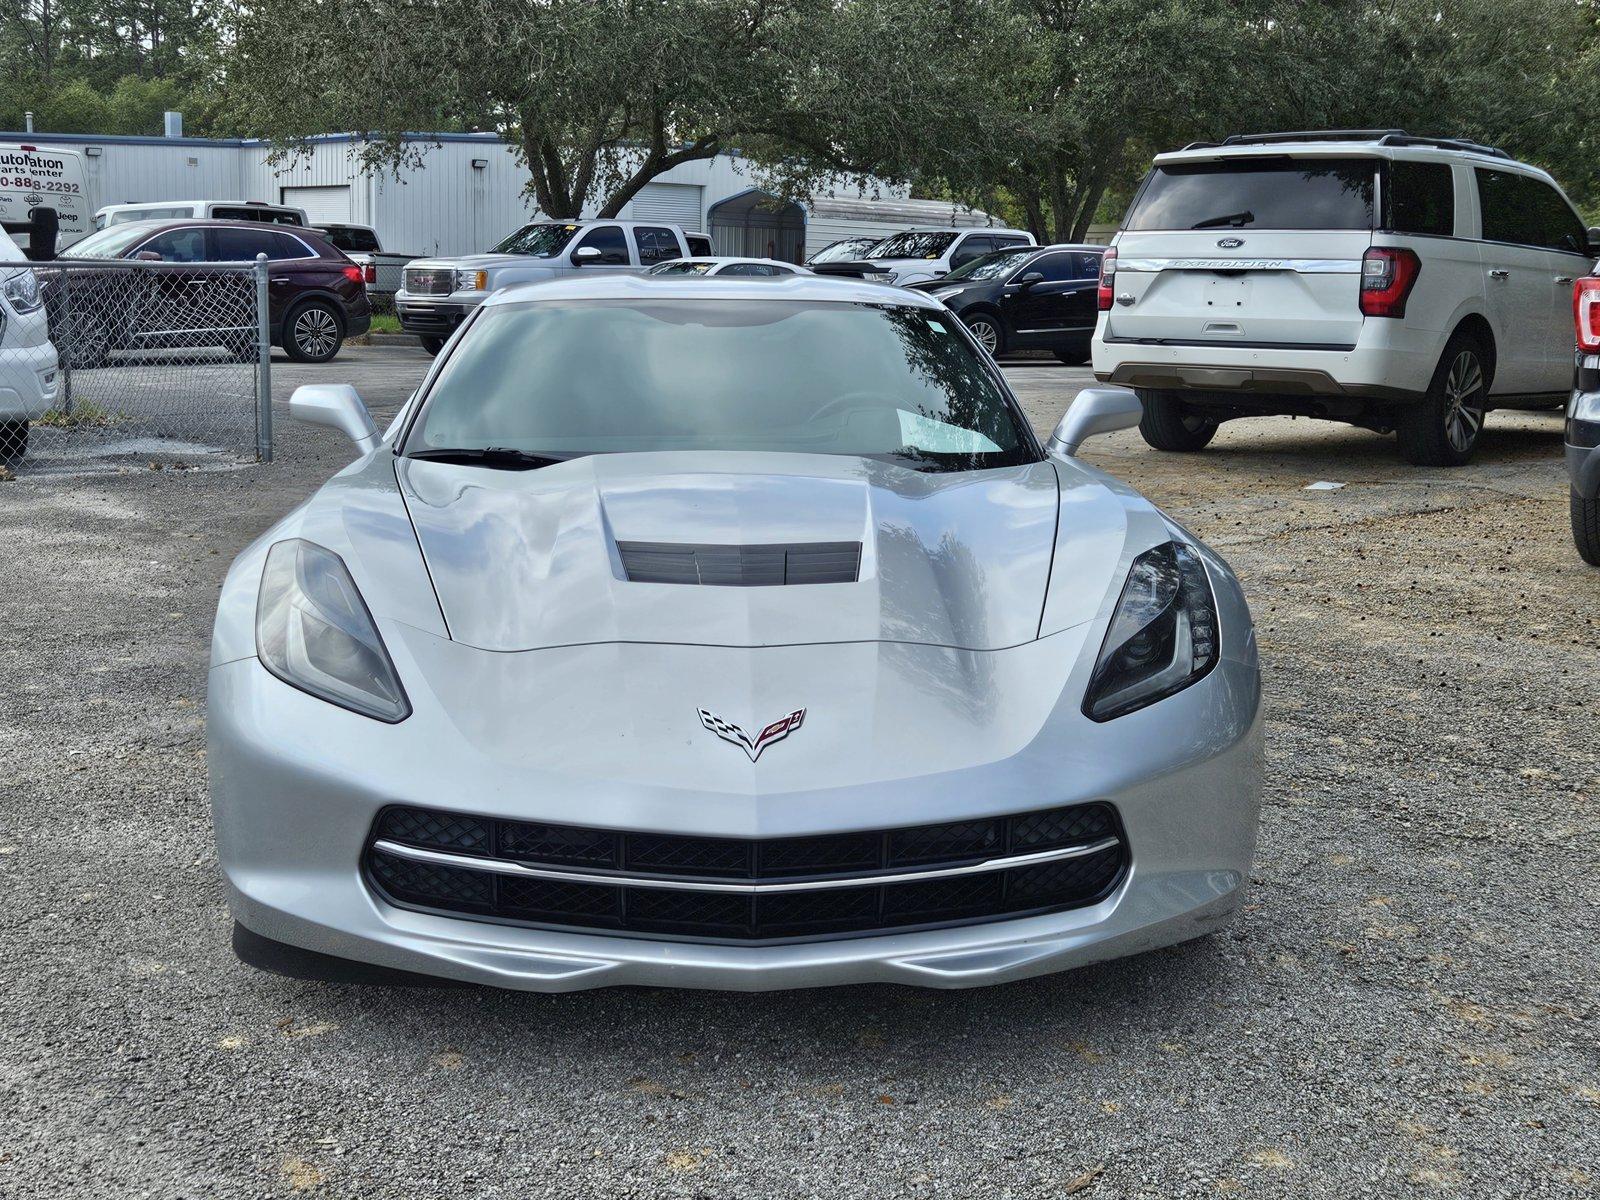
1443 429
1072 358
985 327
1586 528
432 345
1171 425
13 441
313 332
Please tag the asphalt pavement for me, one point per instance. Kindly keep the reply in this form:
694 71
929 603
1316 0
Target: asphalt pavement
1409 1005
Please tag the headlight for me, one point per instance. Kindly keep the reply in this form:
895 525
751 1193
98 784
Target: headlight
22 291
472 281
314 632
1163 635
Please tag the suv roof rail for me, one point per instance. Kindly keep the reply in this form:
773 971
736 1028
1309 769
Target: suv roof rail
1384 137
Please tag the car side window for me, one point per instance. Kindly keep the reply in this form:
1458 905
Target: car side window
609 241
1054 267
1421 198
281 246
1559 226
178 245
699 245
1088 266
747 269
656 244
971 248
1503 202
241 245
1005 243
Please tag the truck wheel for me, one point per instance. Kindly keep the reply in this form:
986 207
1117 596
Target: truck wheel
14 443
1072 358
432 344
1443 428
1170 424
1586 528
313 332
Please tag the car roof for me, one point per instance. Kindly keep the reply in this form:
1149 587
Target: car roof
213 223
1352 148
953 229
840 289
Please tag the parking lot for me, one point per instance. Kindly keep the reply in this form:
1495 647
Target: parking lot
1408 1005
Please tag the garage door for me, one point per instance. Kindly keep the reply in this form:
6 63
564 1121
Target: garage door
322 204
669 203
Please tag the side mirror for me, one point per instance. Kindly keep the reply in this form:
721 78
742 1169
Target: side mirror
586 256
1593 239
44 227
1095 411
337 405
147 256
1031 278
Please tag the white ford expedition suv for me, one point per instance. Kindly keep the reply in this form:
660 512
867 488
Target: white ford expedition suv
437 294
1395 282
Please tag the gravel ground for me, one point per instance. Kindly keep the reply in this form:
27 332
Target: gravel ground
1409 1005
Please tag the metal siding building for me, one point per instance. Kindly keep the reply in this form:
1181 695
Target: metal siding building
467 191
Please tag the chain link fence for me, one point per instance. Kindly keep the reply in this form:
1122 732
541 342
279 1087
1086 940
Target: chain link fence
131 363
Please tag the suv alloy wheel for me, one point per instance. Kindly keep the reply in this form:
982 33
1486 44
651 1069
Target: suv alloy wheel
1443 429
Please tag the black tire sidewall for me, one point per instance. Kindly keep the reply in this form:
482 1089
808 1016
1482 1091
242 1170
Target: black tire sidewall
1423 440
1586 528
292 347
13 441
1163 423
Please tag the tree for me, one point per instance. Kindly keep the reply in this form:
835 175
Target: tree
599 96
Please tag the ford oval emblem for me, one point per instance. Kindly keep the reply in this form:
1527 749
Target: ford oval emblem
1229 243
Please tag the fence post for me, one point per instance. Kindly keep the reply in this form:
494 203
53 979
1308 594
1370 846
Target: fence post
64 361
264 365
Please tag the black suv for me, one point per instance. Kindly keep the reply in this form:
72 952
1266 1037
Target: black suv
1027 298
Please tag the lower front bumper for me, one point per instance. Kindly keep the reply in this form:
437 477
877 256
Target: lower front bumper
1387 373
296 785
29 383
429 320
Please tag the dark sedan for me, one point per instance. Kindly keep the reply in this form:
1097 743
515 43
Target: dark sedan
317 296
1027 298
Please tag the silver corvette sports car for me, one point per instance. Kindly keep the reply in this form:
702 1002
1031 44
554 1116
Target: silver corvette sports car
726 634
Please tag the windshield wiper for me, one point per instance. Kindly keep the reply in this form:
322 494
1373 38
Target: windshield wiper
496 458
1237 220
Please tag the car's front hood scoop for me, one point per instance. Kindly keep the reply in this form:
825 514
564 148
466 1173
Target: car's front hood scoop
523 560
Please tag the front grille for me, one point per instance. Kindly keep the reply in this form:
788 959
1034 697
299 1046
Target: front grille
430 281
614 892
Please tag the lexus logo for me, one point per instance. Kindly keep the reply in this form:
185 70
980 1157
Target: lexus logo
753 746
1229 243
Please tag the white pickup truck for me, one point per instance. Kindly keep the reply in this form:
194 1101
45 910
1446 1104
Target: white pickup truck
439 293
360 243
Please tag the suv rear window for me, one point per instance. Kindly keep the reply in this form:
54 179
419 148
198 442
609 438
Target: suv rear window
1257 193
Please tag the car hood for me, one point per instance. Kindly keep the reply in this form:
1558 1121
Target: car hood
530 560
482 262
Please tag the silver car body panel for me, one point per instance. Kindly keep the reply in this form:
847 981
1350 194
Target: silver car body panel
946 684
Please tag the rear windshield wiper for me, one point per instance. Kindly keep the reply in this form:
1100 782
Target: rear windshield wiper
496 458
1235 219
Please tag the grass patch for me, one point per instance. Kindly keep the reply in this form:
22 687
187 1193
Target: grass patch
385 323
82 416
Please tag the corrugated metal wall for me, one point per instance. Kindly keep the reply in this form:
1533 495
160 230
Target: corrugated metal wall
443 205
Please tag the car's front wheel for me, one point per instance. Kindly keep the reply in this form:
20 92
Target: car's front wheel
986 328
13 441
1586 528
1444 427
432 344
1072 358
1170 424
313 332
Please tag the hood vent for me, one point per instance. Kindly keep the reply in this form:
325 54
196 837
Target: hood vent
741 566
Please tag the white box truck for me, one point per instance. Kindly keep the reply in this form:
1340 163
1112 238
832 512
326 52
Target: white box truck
39 177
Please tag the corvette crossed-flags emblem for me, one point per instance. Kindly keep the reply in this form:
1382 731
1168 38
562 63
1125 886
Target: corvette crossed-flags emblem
753 746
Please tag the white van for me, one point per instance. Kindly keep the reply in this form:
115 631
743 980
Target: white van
43 177
28 375
189 210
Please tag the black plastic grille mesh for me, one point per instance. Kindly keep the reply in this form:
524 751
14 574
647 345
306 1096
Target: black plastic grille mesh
1068 883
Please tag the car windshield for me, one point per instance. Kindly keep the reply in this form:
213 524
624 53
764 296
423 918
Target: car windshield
541 241
912 245
565 378
848 250
1257 193
109 242
681 267
990 266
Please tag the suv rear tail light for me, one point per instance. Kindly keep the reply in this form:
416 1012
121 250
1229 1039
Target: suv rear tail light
1586 313
1108 271
370 274
354 273
1388 273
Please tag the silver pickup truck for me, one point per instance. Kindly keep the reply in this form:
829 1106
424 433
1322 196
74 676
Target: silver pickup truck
439 293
